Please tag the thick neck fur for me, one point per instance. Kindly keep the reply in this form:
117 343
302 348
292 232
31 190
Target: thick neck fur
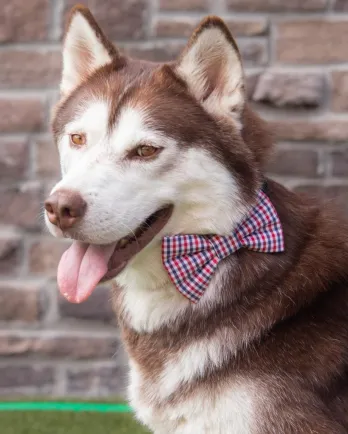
250 292
151 302
274 322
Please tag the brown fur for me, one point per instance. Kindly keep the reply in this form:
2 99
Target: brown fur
292 309
287 312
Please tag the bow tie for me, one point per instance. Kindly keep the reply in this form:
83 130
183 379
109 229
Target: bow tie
191 260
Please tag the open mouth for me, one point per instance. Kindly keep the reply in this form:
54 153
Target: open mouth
84 265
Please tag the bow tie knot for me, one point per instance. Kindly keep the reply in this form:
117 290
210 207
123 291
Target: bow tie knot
225 245
191 260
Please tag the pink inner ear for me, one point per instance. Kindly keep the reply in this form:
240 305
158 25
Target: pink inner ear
211 65
83 59
214 71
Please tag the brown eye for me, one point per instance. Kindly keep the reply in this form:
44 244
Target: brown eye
146 151
78 139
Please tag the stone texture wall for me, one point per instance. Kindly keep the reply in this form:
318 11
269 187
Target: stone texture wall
296 58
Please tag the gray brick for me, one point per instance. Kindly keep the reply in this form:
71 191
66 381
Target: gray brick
12 376
97 307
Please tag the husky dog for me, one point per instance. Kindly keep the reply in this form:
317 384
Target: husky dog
152 150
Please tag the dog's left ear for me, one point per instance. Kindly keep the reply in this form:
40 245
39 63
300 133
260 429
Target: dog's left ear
212 68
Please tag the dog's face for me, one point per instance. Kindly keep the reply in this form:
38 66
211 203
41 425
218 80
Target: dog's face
146 149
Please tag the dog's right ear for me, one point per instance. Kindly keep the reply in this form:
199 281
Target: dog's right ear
85 49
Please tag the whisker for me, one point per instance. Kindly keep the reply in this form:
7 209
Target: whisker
132 232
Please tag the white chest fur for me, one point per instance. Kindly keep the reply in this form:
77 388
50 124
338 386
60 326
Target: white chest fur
149 302
232 411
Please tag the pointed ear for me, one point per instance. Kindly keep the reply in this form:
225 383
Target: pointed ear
211 66
85 49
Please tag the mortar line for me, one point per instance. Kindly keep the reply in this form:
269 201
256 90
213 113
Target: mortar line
56 12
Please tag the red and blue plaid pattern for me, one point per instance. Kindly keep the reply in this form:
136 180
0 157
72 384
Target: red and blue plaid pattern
191 260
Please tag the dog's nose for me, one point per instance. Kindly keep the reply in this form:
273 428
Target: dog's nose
64 208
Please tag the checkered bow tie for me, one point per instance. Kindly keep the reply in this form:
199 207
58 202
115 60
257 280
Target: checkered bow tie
191 260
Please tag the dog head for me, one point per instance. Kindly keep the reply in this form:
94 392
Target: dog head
148 149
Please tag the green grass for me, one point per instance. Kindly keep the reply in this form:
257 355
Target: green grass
62 422
27 422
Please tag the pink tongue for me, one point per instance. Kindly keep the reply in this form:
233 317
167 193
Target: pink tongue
81 268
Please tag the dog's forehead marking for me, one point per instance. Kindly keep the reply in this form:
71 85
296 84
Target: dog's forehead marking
91 116
132 128
129 128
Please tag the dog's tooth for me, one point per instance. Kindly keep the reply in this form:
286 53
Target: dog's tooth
123 242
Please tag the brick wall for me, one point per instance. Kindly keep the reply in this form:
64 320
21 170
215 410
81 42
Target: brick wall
296 59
